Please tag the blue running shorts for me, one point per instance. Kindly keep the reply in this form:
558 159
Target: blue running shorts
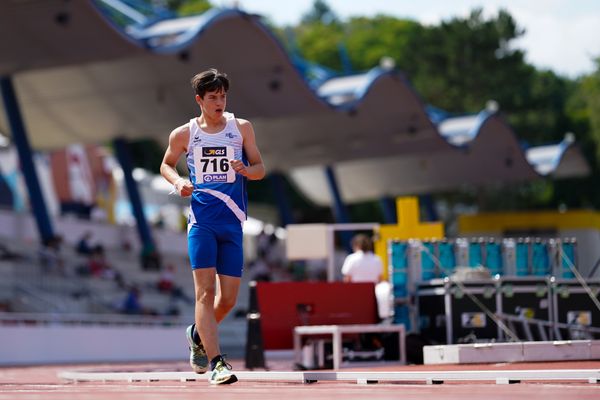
218 246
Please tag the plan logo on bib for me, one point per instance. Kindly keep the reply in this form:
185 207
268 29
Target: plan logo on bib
215 178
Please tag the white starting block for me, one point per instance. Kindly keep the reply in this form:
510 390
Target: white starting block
336 331
560 350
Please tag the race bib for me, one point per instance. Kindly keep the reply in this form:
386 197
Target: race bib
212 164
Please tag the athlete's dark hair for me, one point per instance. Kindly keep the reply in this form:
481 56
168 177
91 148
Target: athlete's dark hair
210 81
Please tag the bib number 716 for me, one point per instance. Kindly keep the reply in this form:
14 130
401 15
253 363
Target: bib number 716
212 164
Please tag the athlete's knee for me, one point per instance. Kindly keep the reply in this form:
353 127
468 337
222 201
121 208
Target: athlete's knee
205 296
226 303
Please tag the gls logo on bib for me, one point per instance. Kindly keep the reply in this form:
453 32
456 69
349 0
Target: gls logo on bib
213 152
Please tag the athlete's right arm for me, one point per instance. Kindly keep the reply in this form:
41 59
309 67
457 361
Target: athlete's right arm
178 141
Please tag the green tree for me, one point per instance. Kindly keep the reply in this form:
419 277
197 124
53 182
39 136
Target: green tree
463 62
590 92
542 117
368 40
191 7
182 7
318 42
583 110
319 13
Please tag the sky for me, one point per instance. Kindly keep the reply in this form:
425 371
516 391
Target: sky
561 35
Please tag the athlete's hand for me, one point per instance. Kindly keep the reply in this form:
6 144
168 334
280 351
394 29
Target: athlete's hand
239 167
184 187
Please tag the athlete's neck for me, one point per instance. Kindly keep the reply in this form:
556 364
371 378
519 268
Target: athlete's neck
212 125
211 122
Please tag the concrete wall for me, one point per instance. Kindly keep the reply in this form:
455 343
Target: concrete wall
55 343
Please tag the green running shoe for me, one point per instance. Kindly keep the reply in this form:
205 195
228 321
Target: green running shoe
221 374
198 358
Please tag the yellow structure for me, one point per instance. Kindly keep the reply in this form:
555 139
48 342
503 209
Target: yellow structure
409 227
501 222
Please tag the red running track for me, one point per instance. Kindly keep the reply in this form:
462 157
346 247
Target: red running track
42 382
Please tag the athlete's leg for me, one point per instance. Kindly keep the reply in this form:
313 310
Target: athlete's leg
202 248
206 323
226 295
230 263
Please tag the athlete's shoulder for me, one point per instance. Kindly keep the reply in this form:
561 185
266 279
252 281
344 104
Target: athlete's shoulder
244 126
243 122
182 129
181 132
179 137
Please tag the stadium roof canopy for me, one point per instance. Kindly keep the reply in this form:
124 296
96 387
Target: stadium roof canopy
80 79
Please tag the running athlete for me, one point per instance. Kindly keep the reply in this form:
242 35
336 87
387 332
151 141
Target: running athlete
222 155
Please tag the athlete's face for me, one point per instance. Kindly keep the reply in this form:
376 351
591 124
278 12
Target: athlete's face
213 104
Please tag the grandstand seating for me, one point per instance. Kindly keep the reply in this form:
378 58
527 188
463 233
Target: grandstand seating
29 286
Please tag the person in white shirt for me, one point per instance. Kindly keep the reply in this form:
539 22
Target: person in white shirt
365 266
362 265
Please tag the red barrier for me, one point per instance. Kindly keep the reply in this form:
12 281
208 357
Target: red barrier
284 305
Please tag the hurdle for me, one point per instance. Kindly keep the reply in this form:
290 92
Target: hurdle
591 376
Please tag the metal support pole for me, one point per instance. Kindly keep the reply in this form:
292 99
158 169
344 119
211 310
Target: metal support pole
388 206
430 212
122 152
339 208
19 135
6 195
283 203
340 211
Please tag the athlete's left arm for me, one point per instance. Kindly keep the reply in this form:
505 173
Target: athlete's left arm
256 169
